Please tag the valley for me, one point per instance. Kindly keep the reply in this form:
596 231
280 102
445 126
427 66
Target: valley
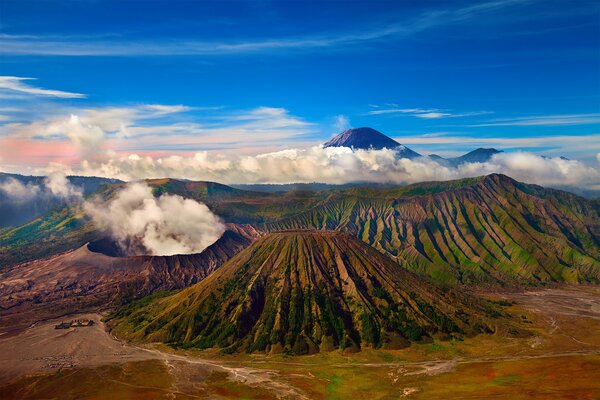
560 360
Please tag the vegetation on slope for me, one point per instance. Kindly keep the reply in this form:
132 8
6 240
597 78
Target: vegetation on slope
492 230
303 292
477 230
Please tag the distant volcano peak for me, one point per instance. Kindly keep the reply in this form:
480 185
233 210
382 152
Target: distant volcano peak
366 138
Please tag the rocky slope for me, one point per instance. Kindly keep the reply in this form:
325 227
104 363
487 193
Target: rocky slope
303 292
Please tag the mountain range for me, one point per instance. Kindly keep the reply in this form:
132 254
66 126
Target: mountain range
35 202
306 269
368 138
489 229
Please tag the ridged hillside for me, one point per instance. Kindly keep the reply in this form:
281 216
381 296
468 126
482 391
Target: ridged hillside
478 230
482 230
303 292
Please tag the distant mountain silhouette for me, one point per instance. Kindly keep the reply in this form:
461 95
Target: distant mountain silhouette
368 138
479 155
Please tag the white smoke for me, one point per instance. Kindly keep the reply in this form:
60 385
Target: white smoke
340 165
342 123
59 186
167 225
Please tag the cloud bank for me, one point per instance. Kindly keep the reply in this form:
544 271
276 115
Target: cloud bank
338 165
167 225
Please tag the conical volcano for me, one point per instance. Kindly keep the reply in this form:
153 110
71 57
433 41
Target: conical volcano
369 138
303 292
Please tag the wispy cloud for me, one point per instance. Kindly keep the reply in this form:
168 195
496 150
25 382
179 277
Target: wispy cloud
452 144
17 85
512 142
84 46
545 120
342 123
88 128
424 113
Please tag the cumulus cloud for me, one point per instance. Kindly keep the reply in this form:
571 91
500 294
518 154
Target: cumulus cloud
86 137
88 129
18 191
338 165
143 224
120 128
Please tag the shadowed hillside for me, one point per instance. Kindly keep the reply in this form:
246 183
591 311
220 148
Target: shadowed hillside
304 292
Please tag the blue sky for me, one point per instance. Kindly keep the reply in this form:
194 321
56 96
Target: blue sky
443 77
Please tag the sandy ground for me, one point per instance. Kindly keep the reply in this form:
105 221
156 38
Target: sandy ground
41 348
566 319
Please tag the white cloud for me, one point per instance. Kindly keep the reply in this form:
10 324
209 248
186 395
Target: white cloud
87 129
16 84
55 185
120 128
167 225
338 165
545 120
412 111
423 113
18 191
433 115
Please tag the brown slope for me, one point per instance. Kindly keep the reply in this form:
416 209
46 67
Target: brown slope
302 292
486 230
82 280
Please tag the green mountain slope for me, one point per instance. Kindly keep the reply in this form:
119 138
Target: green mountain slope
478 230
303 292
490 230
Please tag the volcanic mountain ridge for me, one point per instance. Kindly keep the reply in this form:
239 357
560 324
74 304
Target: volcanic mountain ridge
303 292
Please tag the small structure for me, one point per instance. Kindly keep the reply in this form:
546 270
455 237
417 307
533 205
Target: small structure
63 325
75 323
